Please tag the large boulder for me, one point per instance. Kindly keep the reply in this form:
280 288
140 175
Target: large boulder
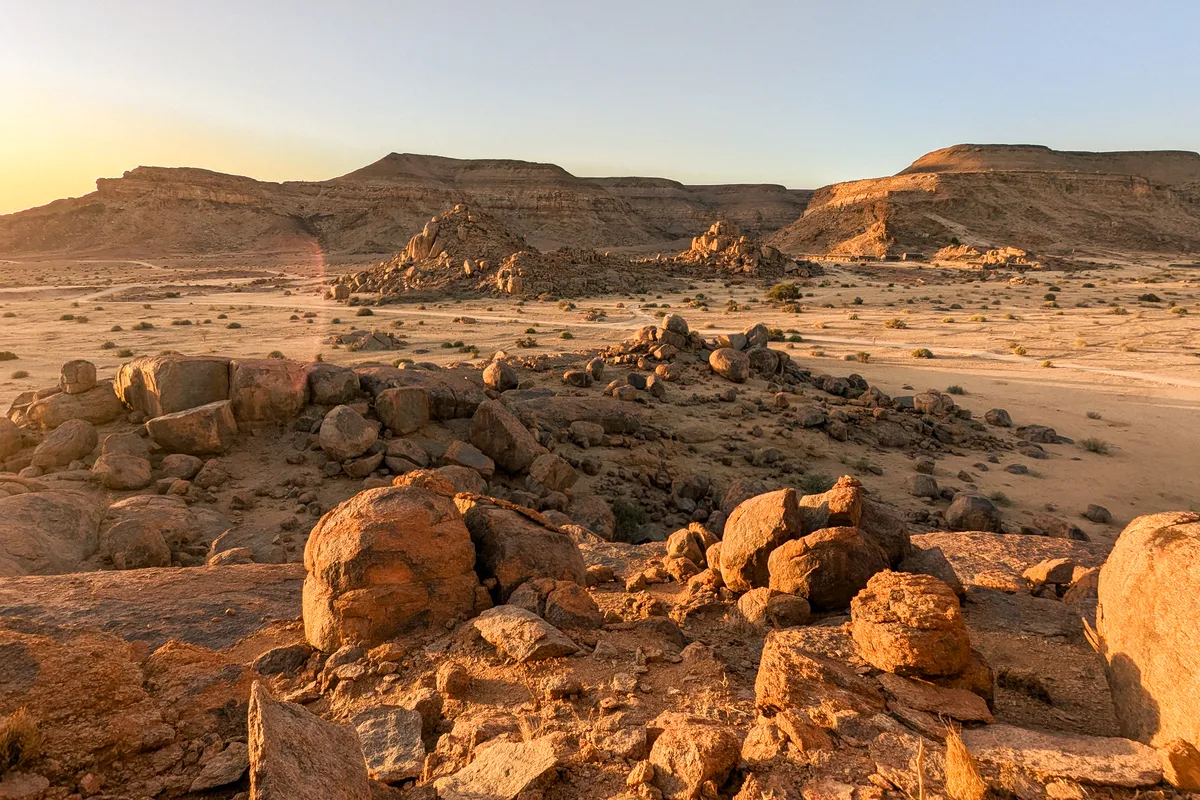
452 394
513 547
77 377
690 752
384 561
404 409
848 504
142 519
69 442
972 512
501 437
157 385
345 434
911 625
730 364
754 529
794 676
828 567
98 405
1148 621
267 390
45 533
296 755
331 385
11 440
203 430
500 376
122 472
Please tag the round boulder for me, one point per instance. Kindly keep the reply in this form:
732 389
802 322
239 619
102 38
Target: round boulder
384 561
500 376
827 567
754 529
730 364
910 625
345 434
69 442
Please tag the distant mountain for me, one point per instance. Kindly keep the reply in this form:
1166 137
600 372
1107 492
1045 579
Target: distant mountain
161 211
1023 196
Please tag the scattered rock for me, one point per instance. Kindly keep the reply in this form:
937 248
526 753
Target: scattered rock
522 635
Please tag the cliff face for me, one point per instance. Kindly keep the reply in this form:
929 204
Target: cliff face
994 196
185 211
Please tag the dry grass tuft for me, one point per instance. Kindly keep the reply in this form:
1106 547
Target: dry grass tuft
963 781
20 740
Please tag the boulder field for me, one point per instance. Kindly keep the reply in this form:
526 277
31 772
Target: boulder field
611 573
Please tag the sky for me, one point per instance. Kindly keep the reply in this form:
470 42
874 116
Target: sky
802 93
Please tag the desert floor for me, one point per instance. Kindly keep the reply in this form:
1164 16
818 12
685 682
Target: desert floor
1095 362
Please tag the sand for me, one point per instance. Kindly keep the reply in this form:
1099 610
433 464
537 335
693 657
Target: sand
1129 379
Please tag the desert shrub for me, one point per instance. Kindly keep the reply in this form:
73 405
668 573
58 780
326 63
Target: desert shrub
20 740
234 325
1000 499
795 337
954 388
9 314
1118 310
862 357
222 316
124 352
1047 364
922 352
963 781
629 516
977 318
109 346
858 301
895 323
566 305
81 318
181 322
1179 310
66 317
527 341
814 483
775 334
1093 415
1150 297
276 354
1019 350
731 305
115 329
364 312
7 355
947 319
566 335
784 291
143 326
1094 445
18 374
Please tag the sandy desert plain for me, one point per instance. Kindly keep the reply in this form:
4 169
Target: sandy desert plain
1130 380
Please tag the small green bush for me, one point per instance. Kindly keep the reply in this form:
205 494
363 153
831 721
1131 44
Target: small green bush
922 352
1094 445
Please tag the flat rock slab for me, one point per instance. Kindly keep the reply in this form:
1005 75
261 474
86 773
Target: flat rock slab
972 552
158 605
1087 759
499 772
959 704
522 635
391 743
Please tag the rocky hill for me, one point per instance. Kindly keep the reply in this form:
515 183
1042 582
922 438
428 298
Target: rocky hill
184 211
993 196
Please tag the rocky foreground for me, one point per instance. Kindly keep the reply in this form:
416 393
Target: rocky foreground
601 574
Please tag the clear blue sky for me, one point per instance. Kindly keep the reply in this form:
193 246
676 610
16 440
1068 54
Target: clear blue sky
800 93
